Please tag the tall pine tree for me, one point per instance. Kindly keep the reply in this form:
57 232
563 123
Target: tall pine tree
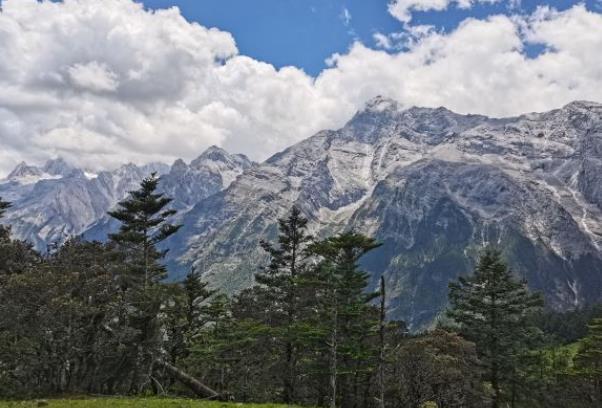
143 216
288 261
348 318
492 309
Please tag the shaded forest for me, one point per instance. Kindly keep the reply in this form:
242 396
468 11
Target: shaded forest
99 318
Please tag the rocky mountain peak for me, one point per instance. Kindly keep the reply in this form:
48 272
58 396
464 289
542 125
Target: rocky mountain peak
216 156
380 103
58 167
179 166
24 170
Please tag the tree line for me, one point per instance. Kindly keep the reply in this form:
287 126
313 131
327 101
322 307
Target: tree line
99 318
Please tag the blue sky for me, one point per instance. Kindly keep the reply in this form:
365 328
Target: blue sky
304 33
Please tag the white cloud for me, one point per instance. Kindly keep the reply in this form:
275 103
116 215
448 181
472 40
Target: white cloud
101 83
481 67
93 76
346 16
402 9
104 82
382 41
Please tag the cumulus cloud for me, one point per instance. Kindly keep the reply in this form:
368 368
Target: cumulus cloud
101 83
93 76
402 9
482 67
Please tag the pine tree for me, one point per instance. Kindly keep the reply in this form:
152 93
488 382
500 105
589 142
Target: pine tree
186 314
196 292
588 361
492 309
347 316
280 278
144 225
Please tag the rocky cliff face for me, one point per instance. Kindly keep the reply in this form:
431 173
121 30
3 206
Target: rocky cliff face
434 187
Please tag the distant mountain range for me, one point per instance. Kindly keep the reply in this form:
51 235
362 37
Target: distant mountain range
57 201
432 185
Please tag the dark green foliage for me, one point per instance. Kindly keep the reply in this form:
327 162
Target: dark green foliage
280 287
347 319
493 310
566 327
440 367
588 361
54 329
143 226
186 312
98 318
143 216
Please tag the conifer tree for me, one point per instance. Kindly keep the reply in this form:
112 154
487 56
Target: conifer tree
143 216
346 313
186 314
492 309
196 292
281 279
144 225
588 361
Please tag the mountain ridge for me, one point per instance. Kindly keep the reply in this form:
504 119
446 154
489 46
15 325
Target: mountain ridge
56 201
343 179
432 185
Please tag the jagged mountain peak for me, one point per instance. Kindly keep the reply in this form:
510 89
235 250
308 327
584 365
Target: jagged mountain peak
214 149
381 103
23 170
216 156
58 167
178 166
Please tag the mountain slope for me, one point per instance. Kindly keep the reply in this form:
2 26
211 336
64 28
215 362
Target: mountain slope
434 187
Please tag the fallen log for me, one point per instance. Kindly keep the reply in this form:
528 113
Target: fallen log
195 385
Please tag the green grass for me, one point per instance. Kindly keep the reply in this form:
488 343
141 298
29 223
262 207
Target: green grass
129 402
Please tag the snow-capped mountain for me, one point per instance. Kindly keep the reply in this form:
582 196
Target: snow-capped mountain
57 201
434 187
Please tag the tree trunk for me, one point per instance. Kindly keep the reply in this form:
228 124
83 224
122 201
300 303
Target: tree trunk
195 385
